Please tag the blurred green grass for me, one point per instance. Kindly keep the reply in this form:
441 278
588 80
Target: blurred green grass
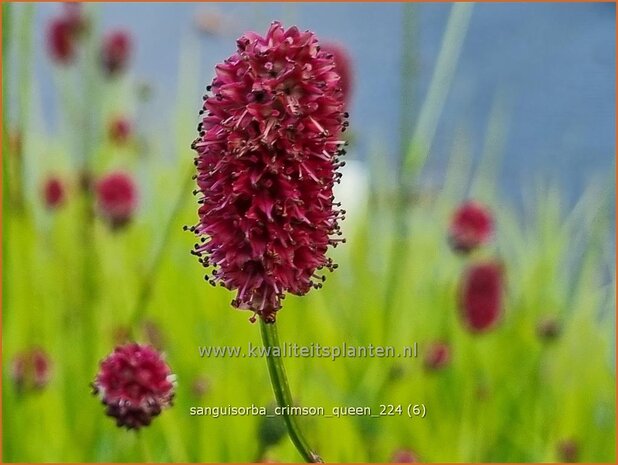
505 397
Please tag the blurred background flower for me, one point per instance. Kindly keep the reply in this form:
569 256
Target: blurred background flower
120 130
31 370
54 192
481 295
116 198
116 52
437 356
471 226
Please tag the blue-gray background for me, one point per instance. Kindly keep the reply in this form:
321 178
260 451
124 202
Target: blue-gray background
553 64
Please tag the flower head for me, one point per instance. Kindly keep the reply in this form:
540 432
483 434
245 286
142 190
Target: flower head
63 33
471 226
116 52
438 356
120 130
116 198
343 67
480 295
31 369
266 161
61 40
135 384
54 192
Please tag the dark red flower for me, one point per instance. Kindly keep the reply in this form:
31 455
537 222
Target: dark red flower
116 52
438 356
135 384
63 33
266 160
61 40
343 66
480 295
31 370
116 198
472 225
54 193
120 130
404 456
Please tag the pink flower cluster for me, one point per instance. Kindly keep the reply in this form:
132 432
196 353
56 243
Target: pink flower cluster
116 198
135 384
267 159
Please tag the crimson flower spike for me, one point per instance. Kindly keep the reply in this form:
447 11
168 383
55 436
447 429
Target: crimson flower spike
267 158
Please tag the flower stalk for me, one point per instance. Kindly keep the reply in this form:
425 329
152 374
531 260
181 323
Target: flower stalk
279 381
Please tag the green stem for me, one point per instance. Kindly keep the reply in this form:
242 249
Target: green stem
87 97
409 59
24 89
143 448
281 389
259 456
417 150
443 74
